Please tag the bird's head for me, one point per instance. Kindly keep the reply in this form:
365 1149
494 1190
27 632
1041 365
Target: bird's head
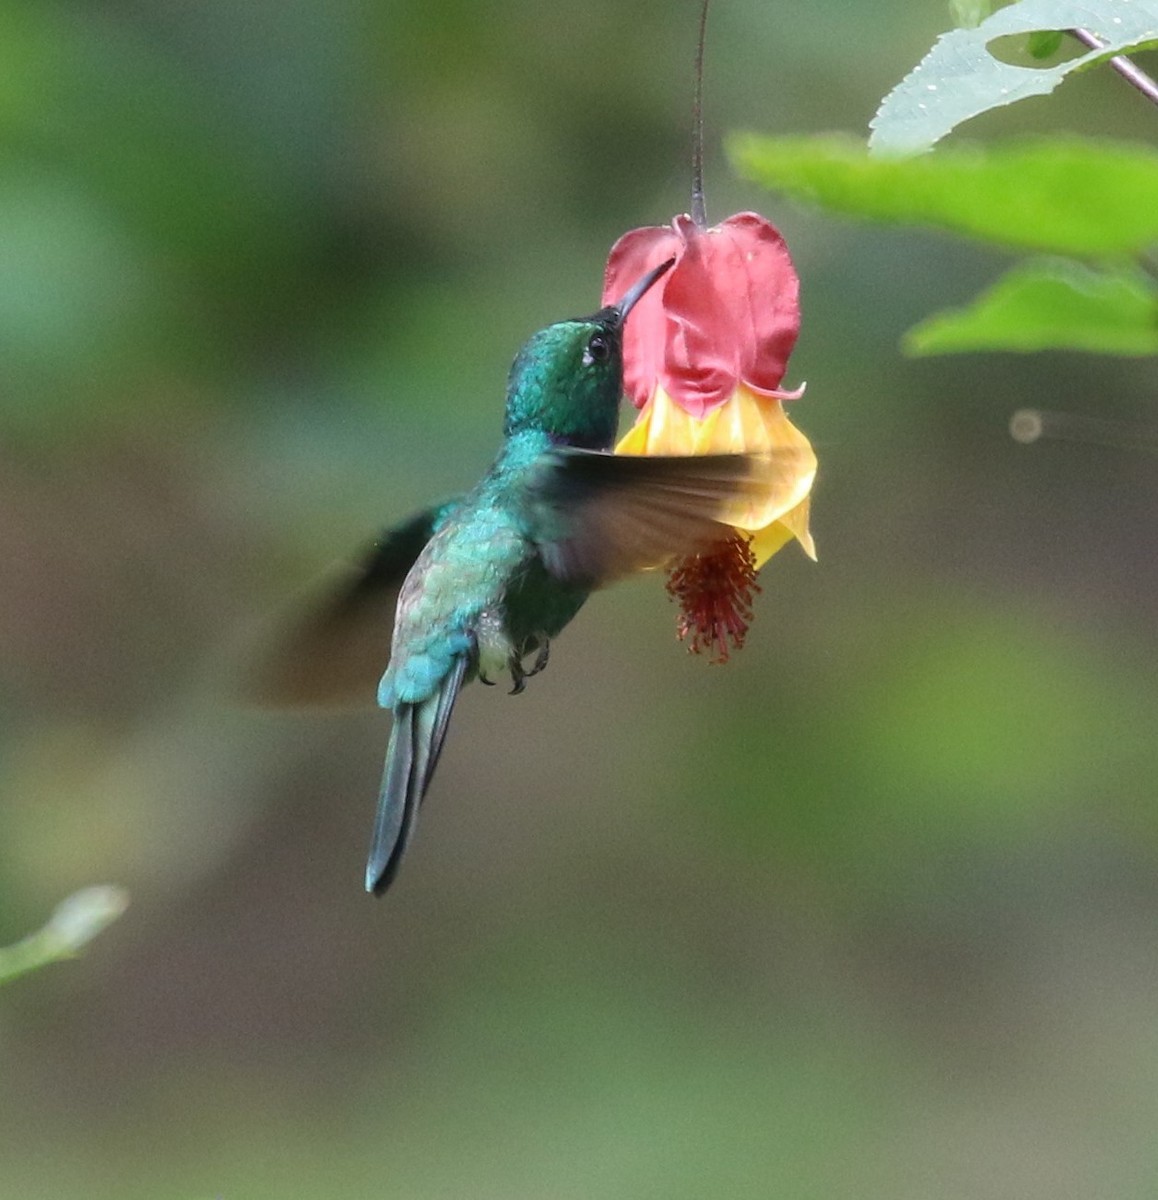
568 378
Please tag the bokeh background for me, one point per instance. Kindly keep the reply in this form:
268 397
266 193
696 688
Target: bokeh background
872 911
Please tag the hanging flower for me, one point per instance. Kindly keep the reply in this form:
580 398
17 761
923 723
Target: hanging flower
704 355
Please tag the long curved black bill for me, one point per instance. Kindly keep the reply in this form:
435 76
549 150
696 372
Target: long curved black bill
637 290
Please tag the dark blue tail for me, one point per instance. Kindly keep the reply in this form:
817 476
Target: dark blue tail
415 744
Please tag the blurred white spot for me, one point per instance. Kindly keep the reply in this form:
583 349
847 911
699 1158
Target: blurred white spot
1031 424
1025 425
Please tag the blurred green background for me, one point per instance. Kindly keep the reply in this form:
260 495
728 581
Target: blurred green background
872 911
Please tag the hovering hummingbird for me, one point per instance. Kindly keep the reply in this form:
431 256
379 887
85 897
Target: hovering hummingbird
478 584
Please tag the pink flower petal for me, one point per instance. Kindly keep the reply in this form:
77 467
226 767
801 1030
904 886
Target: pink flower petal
727 312
733 312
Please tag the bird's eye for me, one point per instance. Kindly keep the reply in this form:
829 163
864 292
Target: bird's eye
598 349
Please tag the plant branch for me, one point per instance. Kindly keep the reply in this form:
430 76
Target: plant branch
1131 73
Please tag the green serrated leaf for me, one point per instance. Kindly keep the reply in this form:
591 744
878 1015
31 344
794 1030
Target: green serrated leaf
1049 304
1063 195
959 79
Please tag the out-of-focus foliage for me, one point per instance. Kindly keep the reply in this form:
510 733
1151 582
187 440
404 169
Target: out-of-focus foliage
870 912
1045 43
1069 195
970 13
960 78
1050 304
126 201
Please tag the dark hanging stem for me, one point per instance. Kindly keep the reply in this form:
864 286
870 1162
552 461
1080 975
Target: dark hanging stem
1131 73
699 210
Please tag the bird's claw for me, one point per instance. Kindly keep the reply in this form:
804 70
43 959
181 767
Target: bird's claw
475 655
542 657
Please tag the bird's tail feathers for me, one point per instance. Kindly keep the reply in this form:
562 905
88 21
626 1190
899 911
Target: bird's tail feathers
415 745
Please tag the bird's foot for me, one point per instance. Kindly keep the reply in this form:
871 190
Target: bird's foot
519 675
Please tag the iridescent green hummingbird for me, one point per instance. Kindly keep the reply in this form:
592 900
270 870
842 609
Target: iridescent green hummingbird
477 585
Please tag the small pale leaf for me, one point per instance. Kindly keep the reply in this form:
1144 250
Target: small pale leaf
81 916
76 921
959 78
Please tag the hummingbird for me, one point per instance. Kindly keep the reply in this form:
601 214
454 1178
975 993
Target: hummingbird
477 586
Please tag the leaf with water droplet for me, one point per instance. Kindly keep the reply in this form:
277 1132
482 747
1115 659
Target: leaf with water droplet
970 80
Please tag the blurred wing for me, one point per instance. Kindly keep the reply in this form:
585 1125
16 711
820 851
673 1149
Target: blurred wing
598 517
337 646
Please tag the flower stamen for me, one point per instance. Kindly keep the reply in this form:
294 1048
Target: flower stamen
714 591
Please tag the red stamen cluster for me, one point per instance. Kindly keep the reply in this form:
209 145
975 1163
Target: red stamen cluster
715 591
